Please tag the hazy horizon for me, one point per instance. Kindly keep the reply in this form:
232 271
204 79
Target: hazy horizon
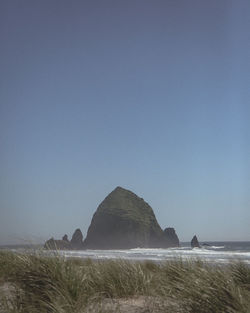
152 96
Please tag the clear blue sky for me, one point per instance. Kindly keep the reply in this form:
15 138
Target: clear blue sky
152 96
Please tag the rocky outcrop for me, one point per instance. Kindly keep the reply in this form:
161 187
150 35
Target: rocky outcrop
64 244
123 221
77 239
65 238
53 244
195 242
171 237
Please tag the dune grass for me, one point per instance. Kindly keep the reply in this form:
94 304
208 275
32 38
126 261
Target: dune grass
32 283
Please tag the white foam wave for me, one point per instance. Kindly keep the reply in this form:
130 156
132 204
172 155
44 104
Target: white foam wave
208 255
215 247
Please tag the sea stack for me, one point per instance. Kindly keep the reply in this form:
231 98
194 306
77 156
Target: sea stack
171 236
76 241
195 242
65 238
123 221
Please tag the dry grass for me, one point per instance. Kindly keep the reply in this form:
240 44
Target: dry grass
33 283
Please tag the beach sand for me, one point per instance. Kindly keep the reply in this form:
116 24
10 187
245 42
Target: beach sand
136 304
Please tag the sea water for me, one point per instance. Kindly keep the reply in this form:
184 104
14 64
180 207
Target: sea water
214 252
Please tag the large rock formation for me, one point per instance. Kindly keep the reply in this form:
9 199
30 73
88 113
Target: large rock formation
123 220
195 242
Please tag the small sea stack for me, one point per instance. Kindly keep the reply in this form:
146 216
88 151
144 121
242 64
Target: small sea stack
172 236
77 240
195 242
65 238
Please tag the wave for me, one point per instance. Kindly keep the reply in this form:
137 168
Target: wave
210 254
215 247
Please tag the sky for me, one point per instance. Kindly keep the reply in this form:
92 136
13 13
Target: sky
152 96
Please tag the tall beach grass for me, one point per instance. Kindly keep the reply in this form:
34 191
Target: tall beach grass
34 283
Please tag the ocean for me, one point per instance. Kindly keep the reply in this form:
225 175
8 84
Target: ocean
214 252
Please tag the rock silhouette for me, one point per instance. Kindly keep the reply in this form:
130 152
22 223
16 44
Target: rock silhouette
53 244
123 221
65 238
171 236
76 241
195 242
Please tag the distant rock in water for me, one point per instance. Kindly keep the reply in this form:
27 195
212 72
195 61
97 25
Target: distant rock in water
171 236
53 244
195 242
77 239
123 221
